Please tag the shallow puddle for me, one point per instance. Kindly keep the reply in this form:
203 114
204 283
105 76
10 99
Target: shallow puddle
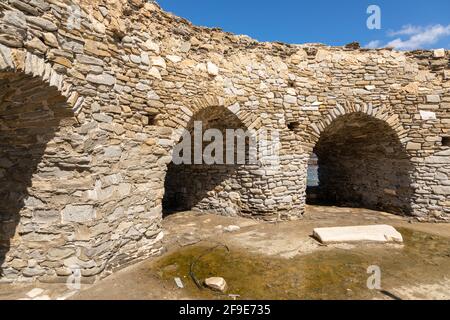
328 273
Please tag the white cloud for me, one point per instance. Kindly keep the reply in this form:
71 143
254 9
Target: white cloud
375 44
405 30
419 37
422 37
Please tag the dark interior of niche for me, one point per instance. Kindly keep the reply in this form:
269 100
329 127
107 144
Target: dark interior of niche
446 141
294 125
151 119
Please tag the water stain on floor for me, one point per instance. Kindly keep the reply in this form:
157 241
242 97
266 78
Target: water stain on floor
329 273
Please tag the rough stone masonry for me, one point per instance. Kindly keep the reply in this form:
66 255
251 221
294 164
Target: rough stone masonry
94 95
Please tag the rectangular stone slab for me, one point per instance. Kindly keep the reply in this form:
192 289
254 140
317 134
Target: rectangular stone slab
374 233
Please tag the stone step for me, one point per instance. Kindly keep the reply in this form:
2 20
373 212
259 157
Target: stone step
371 233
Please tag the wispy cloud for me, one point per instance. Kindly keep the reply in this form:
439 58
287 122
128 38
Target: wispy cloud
418 37
405 30
373 44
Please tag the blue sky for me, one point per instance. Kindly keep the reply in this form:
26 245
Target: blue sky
405 25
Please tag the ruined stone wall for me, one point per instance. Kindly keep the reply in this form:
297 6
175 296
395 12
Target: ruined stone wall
119 81
76 144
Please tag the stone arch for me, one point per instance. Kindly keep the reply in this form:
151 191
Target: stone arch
214 187
381 113
17 60
362 160
35 101
248 119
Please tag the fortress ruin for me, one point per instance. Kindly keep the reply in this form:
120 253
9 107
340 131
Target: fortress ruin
95 95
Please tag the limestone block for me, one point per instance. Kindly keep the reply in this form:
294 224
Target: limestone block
374 233
427 115
439 53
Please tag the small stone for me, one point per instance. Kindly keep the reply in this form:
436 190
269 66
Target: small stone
433 98
78 213
444 190
178 282
185 46
447 74
439 53
42 23
135 59
104 79
56 254
21 5
142 87
427 115
104 11
216 283
15 18
113 152
213 70
85 59
413 146
145 58
152 46
63 61
290 99
98 26
37 45
154 72
10 41
34 293
101 117
50 39
159 62
32 272
231 228
173 58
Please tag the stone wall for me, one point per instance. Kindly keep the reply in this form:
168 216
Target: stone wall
93 100
362 162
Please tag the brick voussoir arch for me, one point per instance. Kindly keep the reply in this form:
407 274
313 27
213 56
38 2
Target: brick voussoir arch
22 61
381 113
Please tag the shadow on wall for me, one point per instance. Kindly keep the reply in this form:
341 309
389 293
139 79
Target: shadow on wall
362 163
211 187
27 123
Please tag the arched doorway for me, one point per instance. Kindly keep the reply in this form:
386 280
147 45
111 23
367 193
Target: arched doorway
362 163
214 186
31 112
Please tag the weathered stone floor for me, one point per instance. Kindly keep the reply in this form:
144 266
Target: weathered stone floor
282 257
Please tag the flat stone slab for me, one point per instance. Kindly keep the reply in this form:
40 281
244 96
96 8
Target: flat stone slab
373 233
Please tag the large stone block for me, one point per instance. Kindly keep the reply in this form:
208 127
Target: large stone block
375 233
